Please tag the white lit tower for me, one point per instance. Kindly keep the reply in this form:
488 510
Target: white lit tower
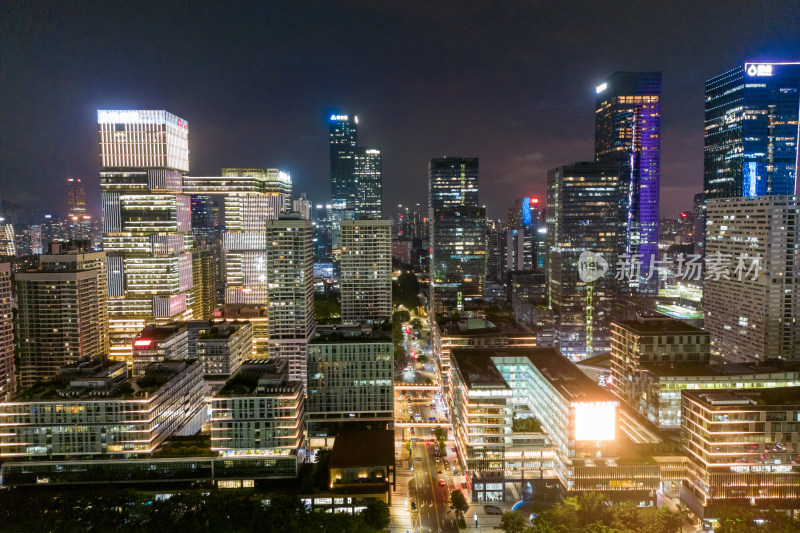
250 197
290 279
144 155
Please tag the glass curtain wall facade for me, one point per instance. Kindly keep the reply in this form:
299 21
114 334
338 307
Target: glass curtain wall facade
628 134
751 117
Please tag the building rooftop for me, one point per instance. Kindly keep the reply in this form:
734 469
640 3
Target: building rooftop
475 327
240 311
563 374
208 329
659 325
779 396
161 332
689 369
260 377
363 448
345 333
109 380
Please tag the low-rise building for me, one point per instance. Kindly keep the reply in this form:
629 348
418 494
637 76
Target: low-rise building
476 333
579 447
256 315
259 411
350 379
220 348
743 448
654 359
93 409
156 343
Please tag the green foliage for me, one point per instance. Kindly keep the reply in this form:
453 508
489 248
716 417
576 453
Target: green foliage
591 513
399 355
400 317
90 509
459 502
416 323
405 291
376 515
440 433
327 309
422 359
526 425
322 475
512 522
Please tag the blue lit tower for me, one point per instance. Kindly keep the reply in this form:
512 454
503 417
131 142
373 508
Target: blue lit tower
751 121
343 145
628 134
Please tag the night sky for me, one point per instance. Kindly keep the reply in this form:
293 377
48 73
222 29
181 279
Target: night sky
509 82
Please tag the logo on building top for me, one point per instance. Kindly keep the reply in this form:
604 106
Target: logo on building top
759 70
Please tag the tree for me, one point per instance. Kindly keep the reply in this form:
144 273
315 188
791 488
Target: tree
400 317
416 323
405 291
376 515
439 433
422 359
512 522
459 502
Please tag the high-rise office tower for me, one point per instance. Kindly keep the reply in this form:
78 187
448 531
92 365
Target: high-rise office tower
582 209
366 270
302 206
368 183
452 182
76 199
290 280
751 131
8 245
343 147
8 379
203 217
322 233
251 197
146 221
458 265
62 317
628 134
751 297
204 274
458 233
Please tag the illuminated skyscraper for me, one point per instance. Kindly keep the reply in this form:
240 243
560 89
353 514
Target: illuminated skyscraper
7 370
582 218
628 134
752 314
366 271
751 131
62 313
458 233
251 197
146 221
343 146
76 199
368 183
290 279
452 182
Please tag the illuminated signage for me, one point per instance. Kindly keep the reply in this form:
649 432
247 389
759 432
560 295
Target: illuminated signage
118 117
759 70
595 421
143 342
338 117
526 211
600 88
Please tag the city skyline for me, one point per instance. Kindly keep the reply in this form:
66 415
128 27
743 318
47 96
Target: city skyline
525 113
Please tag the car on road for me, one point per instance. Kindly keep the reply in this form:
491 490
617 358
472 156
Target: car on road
492 510
442 483
437 458
413 505
439 473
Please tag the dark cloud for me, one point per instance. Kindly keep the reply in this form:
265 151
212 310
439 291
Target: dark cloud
510 82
